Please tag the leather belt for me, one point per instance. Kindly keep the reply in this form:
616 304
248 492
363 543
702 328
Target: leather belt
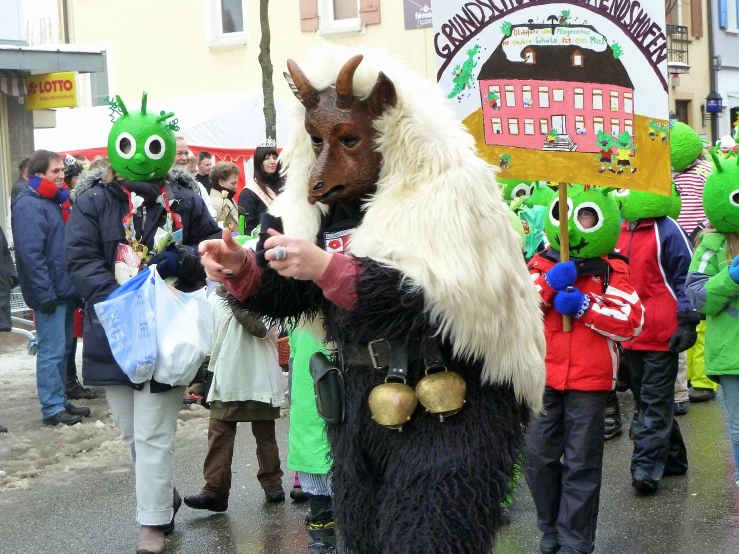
357 354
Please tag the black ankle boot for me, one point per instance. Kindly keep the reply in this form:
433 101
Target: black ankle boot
322 538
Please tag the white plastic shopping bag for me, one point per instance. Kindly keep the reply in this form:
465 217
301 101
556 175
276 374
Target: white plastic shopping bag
127 316
184 323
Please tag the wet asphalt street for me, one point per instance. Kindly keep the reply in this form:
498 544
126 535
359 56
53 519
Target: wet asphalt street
93 511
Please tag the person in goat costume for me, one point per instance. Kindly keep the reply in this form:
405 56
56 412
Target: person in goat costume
375 236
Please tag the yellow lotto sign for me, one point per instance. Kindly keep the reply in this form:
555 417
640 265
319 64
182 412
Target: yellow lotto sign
51 90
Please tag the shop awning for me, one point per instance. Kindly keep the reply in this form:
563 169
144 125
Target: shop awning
12 83
49 60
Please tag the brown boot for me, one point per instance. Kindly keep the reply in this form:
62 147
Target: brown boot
151 540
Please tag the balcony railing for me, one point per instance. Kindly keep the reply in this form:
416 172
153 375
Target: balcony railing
677 49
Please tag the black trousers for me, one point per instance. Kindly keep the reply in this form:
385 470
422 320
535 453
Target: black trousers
564 465
71 363
658 444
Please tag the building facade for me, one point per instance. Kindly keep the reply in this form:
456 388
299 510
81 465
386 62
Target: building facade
726 38
199 48
689 62
17 61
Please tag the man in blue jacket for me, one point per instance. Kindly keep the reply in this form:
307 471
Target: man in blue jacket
39 219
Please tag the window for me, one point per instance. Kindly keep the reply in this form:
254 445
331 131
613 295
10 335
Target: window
529 56
227 23
615 127
629 126
579 98
729 15
580 125
493 99
339 16
559 95
628 102
614 101
597 99
513 126
529 127
528 98
597 124
543 97
544 126
497 125
510 96
577 59
232 16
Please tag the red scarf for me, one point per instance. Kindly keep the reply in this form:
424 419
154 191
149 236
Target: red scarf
47 189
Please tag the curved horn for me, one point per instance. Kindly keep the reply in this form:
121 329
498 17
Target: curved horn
345 80
306 93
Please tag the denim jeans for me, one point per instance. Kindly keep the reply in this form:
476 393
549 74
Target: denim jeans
55 333
730 391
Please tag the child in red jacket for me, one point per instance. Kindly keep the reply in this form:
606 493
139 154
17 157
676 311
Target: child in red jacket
564 445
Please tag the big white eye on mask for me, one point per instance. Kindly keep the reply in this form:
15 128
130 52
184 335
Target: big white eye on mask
554 212
125 145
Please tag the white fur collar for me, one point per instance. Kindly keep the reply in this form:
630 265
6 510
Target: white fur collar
438 218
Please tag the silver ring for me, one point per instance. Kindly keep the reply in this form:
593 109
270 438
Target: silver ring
280 253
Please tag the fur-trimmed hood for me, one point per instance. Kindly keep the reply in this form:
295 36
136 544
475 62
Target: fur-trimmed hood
437 217
90 178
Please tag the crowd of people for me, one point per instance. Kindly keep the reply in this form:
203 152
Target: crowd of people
650 293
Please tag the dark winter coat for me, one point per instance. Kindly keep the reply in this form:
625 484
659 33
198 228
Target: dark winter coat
8 280
251 207
659 254
95 231
18 186
38 235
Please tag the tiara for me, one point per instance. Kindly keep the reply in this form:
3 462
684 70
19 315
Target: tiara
269 143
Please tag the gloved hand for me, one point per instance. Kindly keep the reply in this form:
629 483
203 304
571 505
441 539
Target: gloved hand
562 275
734 270
168 263
48 308
571 302
685 335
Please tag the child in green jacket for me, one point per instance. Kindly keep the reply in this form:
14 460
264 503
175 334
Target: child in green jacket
713 288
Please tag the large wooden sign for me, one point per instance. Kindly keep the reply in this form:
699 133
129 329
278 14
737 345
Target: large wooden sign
569 91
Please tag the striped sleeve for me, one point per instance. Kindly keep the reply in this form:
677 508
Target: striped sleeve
690 184
618 314
546 292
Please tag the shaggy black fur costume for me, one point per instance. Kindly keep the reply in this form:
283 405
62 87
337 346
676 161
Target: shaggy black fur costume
435 488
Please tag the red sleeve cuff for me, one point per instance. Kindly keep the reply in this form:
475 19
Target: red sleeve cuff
246 282
546 292
339 281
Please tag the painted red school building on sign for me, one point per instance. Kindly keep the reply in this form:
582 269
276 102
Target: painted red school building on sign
553 88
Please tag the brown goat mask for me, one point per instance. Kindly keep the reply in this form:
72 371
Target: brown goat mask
340 126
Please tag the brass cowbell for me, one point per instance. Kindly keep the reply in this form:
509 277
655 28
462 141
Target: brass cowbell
442 393
392 404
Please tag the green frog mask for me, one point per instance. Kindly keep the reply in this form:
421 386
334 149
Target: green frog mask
685 146
514 188
599 240
636 204
141 146
721 195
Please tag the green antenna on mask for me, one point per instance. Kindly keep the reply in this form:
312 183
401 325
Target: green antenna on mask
717 161
144 98
121 105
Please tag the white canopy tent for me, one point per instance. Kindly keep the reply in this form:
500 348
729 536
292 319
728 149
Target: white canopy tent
230 125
